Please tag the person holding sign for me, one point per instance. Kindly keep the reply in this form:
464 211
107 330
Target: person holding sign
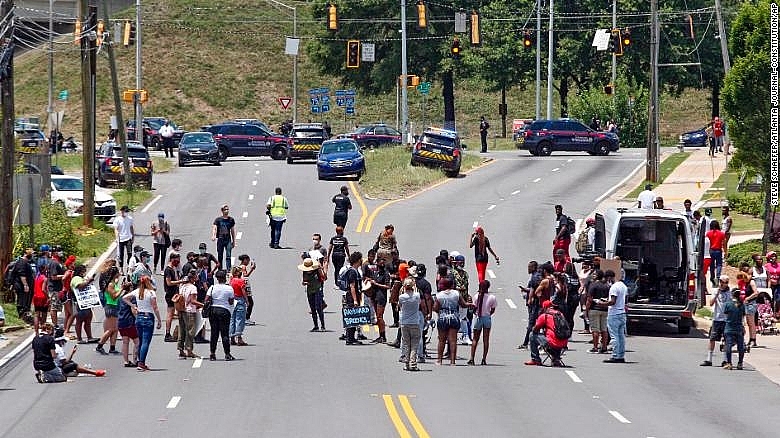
352 297
79 285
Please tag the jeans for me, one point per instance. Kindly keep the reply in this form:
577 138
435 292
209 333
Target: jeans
717 263
338 263
220 323
421 344
144 324
617 331
159 254
315 306
533 313
537 340
410 338
224 246
186 330
735 338
276 231
238 318
125 247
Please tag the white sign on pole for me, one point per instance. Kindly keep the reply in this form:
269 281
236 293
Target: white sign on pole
113 123
368 52
291 46
460 22
88 297
601 39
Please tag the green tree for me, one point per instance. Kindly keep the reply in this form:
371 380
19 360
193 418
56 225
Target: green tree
628 109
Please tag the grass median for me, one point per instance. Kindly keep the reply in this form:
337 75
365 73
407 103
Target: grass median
666 167
389 175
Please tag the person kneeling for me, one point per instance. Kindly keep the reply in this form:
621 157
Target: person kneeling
548 339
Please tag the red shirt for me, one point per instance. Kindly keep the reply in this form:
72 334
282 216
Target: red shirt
716 239
773 271
546 321
237 283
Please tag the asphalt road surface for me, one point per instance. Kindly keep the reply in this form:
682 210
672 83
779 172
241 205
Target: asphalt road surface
291 383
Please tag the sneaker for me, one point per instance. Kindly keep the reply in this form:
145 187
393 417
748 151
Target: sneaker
129 364
593 350
727 366
614 360
483 362
233 341
39 376
361 337
315 329
470 362
379 340
707 363
212 357
533 363
250 322
322 329
169 338
114 351
354 343
739 366
402 359
182 354
393 344
142 367
100 350
343 338
420 360
100 373
228 358
522 347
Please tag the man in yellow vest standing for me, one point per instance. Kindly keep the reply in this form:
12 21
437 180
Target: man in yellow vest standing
276 209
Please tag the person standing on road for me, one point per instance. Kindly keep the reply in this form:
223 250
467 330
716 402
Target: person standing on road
161 234
481 245
238 316
562 232
111 288
423 286
485 308
447 305
222 298
126 326
247 266
352 296
83 316
727 221
380 285
23 281
142 268
188 309
734 331
338 251
616 317
483 133
172 282
718 131
385 243
749 297
409 302
56 274
596 312
166 132
716 238
223 230
124 233
717 330
312 280
535 277
146 312
342 207
276 209
646 198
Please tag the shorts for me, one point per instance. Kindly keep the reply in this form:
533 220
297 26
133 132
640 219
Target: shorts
340 220
445 323
111 311
751 308
716 331
598 320
129 332
380 297
42 309
169 299
483 322
82 314
56 304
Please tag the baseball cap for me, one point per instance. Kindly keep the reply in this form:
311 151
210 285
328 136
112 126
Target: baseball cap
724 277
160 214
124 208
202 245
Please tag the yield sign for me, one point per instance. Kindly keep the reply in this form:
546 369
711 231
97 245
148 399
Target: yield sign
285 102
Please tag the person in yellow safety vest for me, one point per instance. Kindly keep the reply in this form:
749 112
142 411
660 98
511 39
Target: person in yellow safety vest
276 209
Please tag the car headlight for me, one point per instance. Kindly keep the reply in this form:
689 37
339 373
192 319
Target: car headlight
322 163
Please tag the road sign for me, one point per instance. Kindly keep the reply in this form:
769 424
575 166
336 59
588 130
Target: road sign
63 95
350 110
325 107
284 102
367 54
424 87
601 39
340 101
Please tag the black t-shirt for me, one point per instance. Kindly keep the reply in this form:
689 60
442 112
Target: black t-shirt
55 269
42 353
426 292
353 279
339 245
382 277
563 221
171 274
343 204
480 256
186 268
224 225
598 290
23 268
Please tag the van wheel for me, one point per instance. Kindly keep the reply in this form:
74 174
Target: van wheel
544 149
684 326
602 148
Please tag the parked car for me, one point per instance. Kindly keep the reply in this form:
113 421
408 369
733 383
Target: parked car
33 169
545 136
374 135
31 140
306 141
109 167
247 140
439 148
151 134
340 157
695 138
198 146
69 191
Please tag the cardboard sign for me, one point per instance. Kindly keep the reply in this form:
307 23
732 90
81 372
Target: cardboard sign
613 265
88 297
355 316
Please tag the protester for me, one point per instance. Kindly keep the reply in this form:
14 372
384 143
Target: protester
112 290
126 326
146 312
187 306
481 245
547 338
124 232
596 312
44 352
312 279
40 298
223 231
717 330
563 232
161 234
485 308
446 304
83 316
616 317
172 281
409 302
734 331
238 316
222 298
247 266
342 207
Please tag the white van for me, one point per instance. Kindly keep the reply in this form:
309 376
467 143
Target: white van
658 256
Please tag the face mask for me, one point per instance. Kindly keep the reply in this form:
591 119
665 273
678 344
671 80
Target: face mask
124 214
146 259
175 262
202 251
315 242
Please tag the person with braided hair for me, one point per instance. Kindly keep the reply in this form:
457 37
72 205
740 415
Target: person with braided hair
481 245
484 310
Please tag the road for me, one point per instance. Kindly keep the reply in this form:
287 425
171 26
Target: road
290 382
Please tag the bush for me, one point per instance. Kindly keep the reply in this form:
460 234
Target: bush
55 229
743 252
747 203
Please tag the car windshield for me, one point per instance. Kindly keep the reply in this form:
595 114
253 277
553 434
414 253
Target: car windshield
68 184
435 139
308 133
196 140
341 146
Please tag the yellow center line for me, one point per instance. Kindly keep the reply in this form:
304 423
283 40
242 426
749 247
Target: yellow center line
363 209
418 427
400 427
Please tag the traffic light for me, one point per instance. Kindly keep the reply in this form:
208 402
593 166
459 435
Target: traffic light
101 28
128 39
475 37
422 17
625 35
527 39
353 54
616 43
609 89
333 19
412 80
455 48
77 32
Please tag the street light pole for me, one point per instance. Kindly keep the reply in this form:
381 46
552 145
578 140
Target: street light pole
538 112
295 57
404 72
139 116
550 64
614 57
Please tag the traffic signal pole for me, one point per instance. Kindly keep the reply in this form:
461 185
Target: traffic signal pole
139 112
404 91
550 64
614 56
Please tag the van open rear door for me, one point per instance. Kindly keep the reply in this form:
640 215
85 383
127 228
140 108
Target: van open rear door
601 236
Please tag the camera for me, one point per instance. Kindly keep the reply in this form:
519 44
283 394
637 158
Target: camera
586 256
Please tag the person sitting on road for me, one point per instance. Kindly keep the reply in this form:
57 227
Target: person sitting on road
547 339
65 363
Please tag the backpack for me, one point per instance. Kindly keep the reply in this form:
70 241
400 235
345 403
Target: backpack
561 327
571 226
582 242
341 283
9 275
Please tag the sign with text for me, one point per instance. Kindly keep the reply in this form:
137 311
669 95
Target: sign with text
88 297
367 54
355 316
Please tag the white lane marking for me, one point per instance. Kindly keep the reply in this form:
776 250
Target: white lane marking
516 192
569 160
257 172
251 197
476 224
245 214
149 205
198 362
556 169
254 183
257 165
510 303
491 274
622 181
174 402
537 180
239 235
573 376
619 417
492 206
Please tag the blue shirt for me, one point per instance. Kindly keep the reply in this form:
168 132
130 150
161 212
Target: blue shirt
734 316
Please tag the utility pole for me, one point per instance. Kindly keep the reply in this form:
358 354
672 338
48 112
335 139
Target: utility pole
88 76
550 64
538 109
724 47
139 111
614 57
120 121
404 72
653 110
51 72
7 136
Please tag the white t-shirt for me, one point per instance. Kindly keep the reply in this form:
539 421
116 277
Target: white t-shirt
489 303
145 305
646 199
187 289
591 237
619 291
124 227
166 131
220 296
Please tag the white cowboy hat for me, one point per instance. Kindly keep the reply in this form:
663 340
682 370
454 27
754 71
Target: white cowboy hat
308 265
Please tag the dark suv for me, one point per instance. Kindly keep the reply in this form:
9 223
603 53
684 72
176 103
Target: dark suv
545 136
152 138
306 139
375 135
247 140
109 167
438 147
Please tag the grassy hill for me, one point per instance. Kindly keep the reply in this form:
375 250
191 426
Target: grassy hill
203 63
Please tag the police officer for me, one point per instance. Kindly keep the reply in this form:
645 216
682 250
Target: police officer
276 209
342 207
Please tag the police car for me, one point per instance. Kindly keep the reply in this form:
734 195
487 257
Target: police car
438 147
307 140
545 136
